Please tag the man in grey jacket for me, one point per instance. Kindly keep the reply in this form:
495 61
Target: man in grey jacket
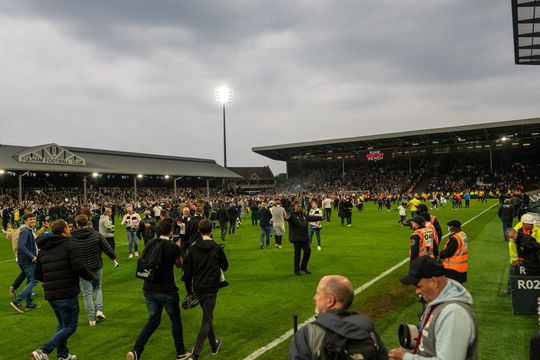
333 297
447 320
106 227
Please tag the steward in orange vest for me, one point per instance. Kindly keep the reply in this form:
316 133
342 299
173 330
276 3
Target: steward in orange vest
432 218
455 254
421 239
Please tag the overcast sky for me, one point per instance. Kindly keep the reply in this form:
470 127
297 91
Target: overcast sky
140 75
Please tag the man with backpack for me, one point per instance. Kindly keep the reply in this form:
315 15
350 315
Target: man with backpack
337 333
160 291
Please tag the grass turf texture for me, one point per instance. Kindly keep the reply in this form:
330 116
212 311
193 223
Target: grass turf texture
264 294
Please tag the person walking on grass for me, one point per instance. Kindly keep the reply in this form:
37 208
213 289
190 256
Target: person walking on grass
59 266
162 293
26 258
131 220
92 244
203 269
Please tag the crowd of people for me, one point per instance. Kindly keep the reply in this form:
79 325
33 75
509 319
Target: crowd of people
182 227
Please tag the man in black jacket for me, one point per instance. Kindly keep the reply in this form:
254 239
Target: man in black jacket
91 243
147 228
223 218
506 214
299 236
59 266
265 217
202 273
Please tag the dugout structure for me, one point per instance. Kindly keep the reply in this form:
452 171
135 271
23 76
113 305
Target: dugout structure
497 142
82 164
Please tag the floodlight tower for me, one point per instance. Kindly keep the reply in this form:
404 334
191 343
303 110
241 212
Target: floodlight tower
224 96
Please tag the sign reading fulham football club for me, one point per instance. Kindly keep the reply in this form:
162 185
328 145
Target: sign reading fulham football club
50 154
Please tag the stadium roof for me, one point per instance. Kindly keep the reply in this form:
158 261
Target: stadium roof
54 158
526 22
516 133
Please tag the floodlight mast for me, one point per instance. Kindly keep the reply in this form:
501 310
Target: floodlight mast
224 96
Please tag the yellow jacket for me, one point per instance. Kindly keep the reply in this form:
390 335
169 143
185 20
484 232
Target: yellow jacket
512 249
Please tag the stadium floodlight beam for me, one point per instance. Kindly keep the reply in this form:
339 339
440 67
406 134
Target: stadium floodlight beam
95 174
2 171
167 177
224 96
504 138
140 176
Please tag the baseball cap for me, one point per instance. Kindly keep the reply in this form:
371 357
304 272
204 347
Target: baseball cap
423 267
454 223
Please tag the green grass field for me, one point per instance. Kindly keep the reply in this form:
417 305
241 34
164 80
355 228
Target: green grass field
264 294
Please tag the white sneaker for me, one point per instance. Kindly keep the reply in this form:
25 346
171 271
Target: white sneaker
136 254
130 256
318 248
279 246
38 355
92 322
100 314
349 225
70 357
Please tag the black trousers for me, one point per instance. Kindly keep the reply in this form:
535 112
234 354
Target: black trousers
110 240
208 303
298 247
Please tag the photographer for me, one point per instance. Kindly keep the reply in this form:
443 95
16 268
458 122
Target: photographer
448 328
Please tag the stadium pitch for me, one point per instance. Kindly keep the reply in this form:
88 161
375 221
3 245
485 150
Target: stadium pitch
264 294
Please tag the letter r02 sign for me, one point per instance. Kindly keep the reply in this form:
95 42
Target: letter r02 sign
525 293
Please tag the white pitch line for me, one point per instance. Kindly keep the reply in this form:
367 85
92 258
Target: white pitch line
289 333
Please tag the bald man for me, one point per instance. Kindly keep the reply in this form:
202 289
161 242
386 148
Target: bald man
333 297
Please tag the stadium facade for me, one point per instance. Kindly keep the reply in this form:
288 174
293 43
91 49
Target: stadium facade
494 143
79 163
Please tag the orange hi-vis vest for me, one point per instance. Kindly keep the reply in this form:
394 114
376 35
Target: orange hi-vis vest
459 261
430 226
426 242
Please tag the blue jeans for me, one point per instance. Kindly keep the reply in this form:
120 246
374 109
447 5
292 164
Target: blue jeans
31 281
93 298
317 231
67 314
133 241
265 231
155 302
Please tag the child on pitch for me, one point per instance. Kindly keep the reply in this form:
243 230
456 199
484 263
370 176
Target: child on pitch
402 214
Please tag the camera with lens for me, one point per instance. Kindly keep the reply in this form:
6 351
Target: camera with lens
408 336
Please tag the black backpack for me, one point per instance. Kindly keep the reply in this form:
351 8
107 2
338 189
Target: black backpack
150 261
336 347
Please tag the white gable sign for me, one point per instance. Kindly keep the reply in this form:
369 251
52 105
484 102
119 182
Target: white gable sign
51 154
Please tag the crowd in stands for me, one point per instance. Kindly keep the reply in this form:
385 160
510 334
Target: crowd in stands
372 177
455 176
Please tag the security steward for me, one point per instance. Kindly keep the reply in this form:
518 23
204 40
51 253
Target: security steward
432 219
421 239
455 254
